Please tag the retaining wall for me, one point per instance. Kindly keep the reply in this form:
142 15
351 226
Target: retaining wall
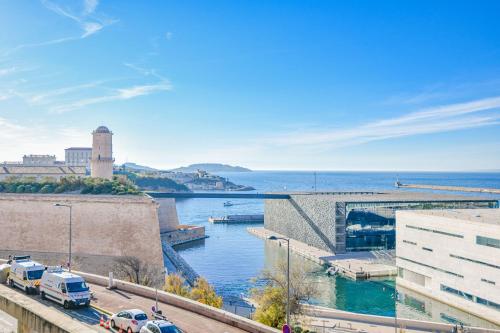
184 235
321 312
180 264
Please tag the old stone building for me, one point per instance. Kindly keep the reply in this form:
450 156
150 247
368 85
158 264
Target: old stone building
101 164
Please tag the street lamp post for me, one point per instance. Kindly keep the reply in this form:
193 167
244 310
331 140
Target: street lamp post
287 276
70 231
395 297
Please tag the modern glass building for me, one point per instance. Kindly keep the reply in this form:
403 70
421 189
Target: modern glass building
354 221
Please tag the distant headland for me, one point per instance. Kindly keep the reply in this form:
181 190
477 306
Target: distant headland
211 167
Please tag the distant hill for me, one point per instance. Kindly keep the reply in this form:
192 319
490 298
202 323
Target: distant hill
211 167
137 167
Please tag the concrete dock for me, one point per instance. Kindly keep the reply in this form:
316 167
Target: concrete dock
355 265
450 188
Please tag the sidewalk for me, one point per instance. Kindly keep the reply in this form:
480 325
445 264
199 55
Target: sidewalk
355 265
327 325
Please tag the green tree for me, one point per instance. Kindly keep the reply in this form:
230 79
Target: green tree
272 306
204 293
20 189
175 284
272 296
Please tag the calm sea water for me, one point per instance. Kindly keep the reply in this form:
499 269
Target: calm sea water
231 258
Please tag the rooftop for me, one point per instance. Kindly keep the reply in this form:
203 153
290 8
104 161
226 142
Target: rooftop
79 148
390 196
41 170
488 216
102 129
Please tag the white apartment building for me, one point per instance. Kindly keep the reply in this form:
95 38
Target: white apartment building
452 256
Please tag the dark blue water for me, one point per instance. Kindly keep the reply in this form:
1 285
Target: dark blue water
230 258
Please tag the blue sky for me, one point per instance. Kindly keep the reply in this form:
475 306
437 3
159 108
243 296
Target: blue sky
288 85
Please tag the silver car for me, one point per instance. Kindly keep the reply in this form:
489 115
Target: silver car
160 326
129 320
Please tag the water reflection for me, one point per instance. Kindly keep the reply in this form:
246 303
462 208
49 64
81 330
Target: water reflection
415 306
374 296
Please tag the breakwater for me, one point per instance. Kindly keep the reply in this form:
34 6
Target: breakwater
182 267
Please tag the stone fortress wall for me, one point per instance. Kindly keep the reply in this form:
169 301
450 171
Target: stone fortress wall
104 229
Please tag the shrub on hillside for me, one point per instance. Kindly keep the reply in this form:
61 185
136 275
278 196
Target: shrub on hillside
117 186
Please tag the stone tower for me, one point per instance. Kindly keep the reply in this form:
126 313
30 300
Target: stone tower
101 164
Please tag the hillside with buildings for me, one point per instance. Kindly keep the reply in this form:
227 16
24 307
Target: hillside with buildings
211 167
45 174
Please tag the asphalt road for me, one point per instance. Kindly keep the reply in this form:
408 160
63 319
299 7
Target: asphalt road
116 300
88 316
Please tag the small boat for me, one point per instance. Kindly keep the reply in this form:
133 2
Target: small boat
228 204
332 271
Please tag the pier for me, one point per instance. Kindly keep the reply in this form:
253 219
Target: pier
449 188
355 265
235 219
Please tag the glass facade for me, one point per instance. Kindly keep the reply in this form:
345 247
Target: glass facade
371 225
470 297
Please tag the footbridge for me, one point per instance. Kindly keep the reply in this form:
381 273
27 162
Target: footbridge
217 195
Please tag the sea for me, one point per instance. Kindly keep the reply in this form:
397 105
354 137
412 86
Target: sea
232 259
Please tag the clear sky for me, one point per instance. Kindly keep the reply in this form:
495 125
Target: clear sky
287 85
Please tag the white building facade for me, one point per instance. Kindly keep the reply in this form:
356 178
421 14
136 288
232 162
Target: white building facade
452 256
78 156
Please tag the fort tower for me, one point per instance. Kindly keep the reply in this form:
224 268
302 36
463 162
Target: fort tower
101 164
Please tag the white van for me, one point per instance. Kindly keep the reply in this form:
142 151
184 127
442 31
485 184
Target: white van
65 288
25 274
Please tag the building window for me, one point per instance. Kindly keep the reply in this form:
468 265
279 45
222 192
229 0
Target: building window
409 242
488 303
427 249
486 241
431 267
475 261
488 281
470 297
457 292
435 231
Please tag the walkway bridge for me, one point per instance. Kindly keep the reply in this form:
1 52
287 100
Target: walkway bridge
217 195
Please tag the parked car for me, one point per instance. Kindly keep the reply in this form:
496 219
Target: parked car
65 288
130 320
160 326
